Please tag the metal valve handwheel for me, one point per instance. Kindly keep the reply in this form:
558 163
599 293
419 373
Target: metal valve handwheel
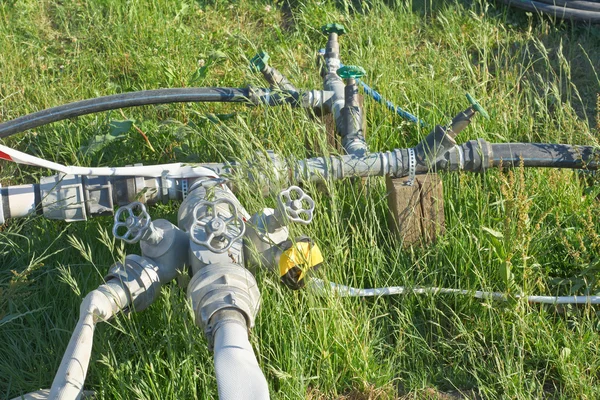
292 203
226 229
136 222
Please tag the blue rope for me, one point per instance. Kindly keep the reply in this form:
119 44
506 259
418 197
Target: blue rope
379 98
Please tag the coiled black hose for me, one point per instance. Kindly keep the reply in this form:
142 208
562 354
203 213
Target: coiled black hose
132 99
576 10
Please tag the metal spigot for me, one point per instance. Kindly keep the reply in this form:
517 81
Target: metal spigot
463 119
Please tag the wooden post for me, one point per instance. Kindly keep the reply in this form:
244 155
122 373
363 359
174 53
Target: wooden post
405 209
417 211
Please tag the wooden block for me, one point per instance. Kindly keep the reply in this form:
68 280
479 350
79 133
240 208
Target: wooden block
432 206
417 211
405 210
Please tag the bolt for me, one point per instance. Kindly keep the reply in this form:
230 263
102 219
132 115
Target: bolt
296 205
216 225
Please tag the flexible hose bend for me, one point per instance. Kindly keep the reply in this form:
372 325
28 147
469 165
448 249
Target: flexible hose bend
132 99
69 380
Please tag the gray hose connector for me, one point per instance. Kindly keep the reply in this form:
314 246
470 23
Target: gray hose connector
140 277
219 287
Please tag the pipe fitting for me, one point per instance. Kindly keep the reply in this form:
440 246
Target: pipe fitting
141 279
170 252
433 147
478 155
220 287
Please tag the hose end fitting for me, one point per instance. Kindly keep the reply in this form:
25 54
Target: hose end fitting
219 287
139 276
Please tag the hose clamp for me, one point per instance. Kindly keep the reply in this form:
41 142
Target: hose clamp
461 158
412 167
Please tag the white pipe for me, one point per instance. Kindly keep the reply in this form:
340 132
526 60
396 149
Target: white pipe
238 373
174 170
346 291
69 380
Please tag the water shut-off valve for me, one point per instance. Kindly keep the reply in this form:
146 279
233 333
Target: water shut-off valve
296 206
333 31
213 229
135 224
276 79
350 124
463 119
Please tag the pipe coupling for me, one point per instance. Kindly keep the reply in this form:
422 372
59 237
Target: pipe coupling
220 287
140 277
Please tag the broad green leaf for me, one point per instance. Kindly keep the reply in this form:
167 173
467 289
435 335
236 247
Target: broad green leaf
116 130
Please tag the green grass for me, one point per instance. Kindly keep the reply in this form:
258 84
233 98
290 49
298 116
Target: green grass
537 80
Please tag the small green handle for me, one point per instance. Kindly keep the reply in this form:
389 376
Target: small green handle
333 28
477 107
259 61
351 71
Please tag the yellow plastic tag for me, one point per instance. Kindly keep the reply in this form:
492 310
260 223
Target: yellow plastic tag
304 255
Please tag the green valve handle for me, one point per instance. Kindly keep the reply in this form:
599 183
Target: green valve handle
333 28
259 61
351 71
477 107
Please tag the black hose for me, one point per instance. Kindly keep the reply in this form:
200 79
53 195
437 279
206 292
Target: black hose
545 155
563 12
132 99
574 4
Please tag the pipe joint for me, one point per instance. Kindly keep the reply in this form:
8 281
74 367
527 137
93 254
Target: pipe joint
219 287
140 277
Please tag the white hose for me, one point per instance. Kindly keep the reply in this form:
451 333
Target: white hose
174 170
44 394
321 288
69 380
238 374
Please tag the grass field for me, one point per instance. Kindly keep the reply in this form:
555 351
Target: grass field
524 231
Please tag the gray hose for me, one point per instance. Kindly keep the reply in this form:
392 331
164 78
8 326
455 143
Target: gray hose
237 370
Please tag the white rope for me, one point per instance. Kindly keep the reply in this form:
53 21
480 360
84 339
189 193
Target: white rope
174 170
320 287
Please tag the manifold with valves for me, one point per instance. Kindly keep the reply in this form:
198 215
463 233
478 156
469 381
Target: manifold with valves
212 250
